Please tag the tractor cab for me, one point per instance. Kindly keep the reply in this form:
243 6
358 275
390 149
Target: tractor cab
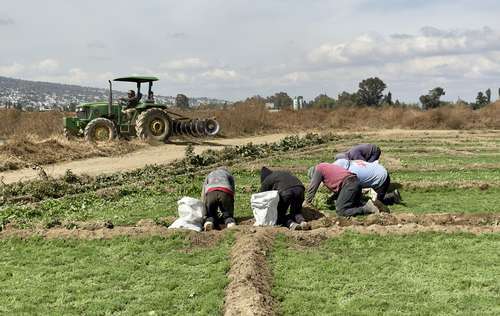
138 80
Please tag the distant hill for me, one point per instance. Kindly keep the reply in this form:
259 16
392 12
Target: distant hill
37 95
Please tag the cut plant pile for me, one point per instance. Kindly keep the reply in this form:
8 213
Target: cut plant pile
25 152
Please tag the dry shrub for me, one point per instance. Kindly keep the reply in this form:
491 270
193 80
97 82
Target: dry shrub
448 117
247 119
489 116
20 152
18 123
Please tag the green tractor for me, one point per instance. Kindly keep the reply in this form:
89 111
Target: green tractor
107 120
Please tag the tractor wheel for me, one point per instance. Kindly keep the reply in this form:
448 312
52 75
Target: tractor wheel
100 130
153 124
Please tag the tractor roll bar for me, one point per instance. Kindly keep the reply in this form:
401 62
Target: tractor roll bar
110 97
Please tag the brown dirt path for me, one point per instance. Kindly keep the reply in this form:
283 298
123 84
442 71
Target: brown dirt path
160 154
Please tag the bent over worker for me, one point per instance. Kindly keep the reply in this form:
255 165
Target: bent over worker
372 175
218 196
365 152
291 194
344 184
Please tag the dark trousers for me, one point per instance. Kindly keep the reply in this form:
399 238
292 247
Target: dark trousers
291 198
382 195
220 207
349 198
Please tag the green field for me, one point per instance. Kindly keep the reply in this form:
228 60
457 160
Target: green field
132 276
424 273
421 274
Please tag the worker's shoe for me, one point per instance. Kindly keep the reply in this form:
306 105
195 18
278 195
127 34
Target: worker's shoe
305 225
370 208
294 226
208 226
231 225
397 197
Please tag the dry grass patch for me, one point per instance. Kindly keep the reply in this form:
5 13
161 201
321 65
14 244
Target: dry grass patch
22 152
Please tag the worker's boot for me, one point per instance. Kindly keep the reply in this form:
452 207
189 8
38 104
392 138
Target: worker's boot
393 198
230 222
370 208
293 225
397 197
208 226
304 225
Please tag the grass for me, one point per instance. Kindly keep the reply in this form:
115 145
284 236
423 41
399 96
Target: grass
450 201
126 276
422 274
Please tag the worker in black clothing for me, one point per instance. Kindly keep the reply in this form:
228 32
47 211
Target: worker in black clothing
291 194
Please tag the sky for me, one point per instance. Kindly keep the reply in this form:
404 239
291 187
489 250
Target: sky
234 49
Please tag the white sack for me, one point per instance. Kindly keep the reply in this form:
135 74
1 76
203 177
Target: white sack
265 208
191 214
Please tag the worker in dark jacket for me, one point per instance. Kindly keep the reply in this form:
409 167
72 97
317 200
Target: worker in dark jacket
344 185
291 194
131 101
218 195
365 152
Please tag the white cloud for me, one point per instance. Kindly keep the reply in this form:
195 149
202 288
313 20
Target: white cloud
184 64
374 48
11 70
47 65
220 74
296 77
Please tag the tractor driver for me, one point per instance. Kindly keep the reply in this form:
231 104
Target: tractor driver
131 101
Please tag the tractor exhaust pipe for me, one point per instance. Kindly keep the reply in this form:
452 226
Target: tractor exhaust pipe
110 97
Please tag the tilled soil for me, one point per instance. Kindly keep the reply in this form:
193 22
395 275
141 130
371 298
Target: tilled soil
250 279
373 223
316 236
386 219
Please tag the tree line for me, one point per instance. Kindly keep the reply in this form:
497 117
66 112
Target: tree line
371 92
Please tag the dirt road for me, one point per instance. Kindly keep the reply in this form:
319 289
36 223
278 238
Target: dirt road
151 155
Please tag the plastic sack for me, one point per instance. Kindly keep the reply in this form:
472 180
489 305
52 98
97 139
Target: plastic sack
191 214
265 208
